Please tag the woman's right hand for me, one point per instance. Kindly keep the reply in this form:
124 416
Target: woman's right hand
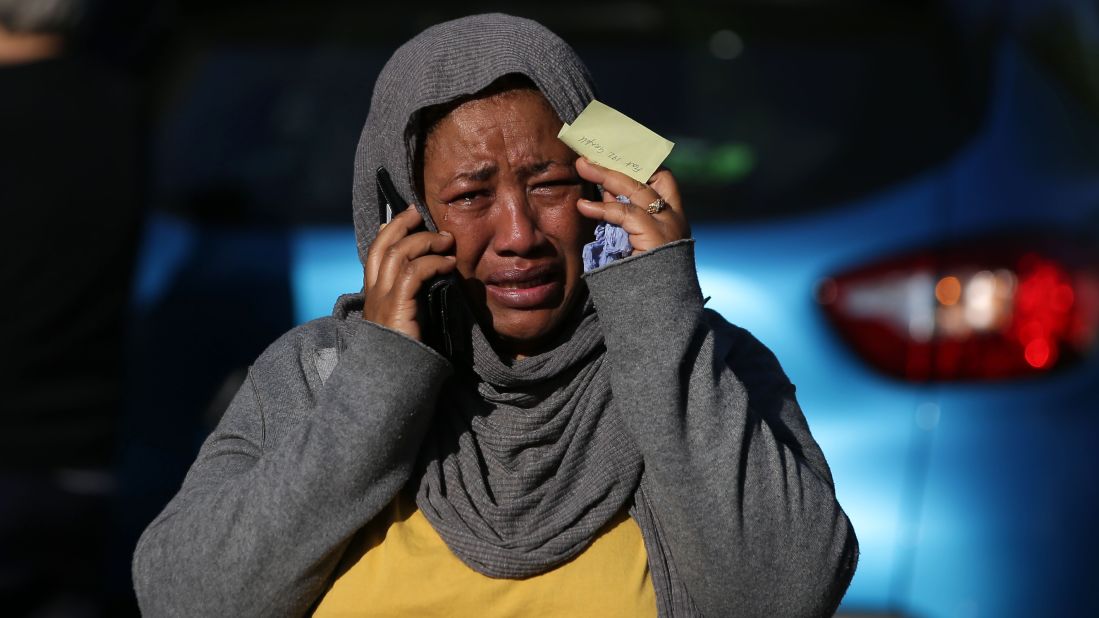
398 264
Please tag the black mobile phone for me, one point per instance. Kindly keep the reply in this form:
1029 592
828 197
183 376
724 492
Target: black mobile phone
440 304
390 202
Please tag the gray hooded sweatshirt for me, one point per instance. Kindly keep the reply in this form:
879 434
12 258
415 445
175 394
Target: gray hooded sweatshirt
739 518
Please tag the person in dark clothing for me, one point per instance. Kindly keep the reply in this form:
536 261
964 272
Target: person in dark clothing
68 189
69 145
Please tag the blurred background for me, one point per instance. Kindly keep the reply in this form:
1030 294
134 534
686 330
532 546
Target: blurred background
900 198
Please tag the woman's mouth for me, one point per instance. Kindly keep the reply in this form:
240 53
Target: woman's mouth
529 288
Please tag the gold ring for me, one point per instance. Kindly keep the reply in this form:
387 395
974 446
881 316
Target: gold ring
656 206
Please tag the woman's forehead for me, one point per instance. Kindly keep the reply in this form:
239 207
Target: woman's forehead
509 106
512 120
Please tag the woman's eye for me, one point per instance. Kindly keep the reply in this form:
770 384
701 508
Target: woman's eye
556 187
468 199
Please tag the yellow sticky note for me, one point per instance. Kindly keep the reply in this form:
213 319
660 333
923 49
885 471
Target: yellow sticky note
612 139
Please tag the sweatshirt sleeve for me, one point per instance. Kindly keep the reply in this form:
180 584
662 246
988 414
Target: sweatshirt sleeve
740 490
291 472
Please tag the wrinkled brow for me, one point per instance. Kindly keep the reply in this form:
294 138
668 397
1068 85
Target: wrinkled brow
488 170
479 174
533 169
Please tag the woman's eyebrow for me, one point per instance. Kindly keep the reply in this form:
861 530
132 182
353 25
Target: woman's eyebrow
478 174
538 167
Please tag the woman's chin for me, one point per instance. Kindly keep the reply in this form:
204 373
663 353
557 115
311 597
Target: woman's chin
528 321
525 329
523 333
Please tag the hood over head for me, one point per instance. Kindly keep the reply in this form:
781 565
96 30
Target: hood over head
446 62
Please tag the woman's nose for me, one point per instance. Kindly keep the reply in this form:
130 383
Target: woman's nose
516 225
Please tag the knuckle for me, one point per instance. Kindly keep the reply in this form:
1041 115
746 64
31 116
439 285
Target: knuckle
392 252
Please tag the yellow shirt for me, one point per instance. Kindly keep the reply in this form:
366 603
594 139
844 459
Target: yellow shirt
399 566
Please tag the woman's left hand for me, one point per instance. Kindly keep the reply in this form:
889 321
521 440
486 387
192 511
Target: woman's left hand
647 231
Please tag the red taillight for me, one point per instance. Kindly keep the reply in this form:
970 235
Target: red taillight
976 312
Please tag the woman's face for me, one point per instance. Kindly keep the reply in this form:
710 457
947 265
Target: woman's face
499 180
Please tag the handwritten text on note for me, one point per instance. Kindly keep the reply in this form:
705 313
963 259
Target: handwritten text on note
609 138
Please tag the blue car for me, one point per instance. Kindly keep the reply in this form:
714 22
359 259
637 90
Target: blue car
939 320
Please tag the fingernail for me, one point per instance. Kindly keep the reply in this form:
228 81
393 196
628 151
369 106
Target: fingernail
445 233
410 207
